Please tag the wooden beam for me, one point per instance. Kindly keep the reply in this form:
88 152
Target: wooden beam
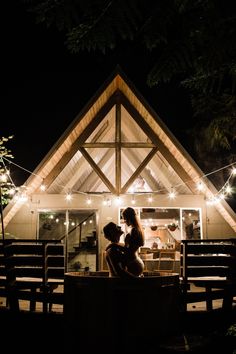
118 147
76 145
97 170
156 140
122 144
93 175
145 174
61 165
99 145
139 170
97 119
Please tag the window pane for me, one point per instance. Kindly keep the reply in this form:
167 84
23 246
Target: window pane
191 224
52 225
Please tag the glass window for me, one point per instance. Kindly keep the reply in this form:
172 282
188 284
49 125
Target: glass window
77 228
166 227
191 224
52 225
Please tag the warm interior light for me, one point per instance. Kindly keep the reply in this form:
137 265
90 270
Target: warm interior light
172 194
43 187
68 196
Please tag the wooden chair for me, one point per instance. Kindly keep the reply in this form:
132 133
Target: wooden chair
209 265
33 270
167 259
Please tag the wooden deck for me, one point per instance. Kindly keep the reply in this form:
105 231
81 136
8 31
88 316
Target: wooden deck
201 306
198 306
25 305
202 333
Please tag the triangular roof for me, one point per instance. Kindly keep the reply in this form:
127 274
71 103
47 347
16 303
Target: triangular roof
115 141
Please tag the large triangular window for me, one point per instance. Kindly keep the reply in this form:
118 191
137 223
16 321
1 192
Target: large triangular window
118 151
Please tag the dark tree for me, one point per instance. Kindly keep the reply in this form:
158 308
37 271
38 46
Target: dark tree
191 42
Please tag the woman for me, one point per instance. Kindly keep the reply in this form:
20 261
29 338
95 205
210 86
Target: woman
115 252
133 240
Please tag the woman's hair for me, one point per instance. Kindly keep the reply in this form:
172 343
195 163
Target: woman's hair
111 230
131 217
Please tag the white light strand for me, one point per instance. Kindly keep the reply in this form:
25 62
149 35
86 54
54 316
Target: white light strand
224 192
220 195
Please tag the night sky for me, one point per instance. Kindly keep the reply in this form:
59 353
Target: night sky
44 87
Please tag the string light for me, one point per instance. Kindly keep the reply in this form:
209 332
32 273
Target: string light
224 192
118 200
200 186
21 196
133 200
68 196
106 201
89 201
43 187
172 194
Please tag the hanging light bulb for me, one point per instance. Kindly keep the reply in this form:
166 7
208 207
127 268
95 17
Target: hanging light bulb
118 200
234 171
43 187
89 201
68 196
228 189
104 202
133 200
172 194
200 186
4 177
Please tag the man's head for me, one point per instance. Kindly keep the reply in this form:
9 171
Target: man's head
112 232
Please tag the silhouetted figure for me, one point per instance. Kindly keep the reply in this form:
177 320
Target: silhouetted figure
133 240
189 231
116 256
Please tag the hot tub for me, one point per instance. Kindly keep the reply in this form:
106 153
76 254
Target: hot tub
99 306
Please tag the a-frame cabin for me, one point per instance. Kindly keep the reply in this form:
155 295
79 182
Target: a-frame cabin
117 152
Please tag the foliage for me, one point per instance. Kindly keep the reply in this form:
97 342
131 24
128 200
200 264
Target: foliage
3 150
5 185
191 41
231 330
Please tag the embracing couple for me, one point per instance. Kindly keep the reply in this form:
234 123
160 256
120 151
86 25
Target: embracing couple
123 259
